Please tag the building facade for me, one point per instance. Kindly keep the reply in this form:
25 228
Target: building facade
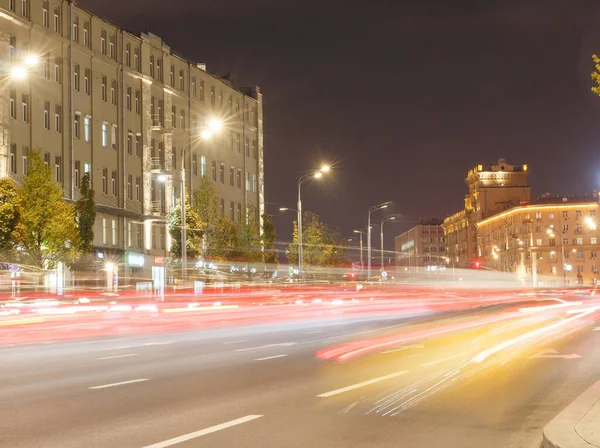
548 242
95 98
422 246
492 189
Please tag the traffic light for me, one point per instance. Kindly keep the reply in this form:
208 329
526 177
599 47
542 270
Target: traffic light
476 263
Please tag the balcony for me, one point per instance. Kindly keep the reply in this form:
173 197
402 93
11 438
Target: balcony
158 208
160 124
159 165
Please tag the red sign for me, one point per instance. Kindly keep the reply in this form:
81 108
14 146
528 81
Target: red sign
159 260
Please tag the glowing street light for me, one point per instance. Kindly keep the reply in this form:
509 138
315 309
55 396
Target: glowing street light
318 175
371 210
590 223
18 72
215 124
206 134
325 168
31 59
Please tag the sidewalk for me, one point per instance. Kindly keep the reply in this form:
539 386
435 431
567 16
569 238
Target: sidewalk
578 425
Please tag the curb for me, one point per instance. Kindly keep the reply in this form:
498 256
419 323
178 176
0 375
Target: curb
565 429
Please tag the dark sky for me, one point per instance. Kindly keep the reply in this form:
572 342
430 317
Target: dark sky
403 96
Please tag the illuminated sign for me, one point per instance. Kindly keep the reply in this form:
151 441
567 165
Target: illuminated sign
407 245
159 260
135 260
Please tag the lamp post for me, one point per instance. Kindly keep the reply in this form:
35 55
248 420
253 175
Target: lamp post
214 126
371 210
361 233
310 176
389 218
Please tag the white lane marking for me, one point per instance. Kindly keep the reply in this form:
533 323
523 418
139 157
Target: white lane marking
235 342
596 329
104 386
262 347
364 383
203 432
159 343
404 347
441 360
270 357
315 332
118 356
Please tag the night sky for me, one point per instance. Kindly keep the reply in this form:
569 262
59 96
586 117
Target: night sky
403 96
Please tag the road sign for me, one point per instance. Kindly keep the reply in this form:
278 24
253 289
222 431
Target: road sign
383 274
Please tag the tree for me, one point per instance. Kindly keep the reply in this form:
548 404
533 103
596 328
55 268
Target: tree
194 230
11 229
222 239
206 201
50 232
269 254
85 211
596 74
291 252
249 246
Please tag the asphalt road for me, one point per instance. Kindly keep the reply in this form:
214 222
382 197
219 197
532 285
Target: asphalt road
481 378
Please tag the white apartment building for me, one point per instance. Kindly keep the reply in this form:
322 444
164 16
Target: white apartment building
94 97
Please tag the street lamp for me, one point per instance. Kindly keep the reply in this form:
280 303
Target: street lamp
361 233
314 175
214 125
18 72
389 218
371 210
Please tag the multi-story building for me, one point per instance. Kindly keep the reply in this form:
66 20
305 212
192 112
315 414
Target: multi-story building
492 189
422 246
128 110
547 242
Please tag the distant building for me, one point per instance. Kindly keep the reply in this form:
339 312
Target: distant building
492 189
422 246
547 242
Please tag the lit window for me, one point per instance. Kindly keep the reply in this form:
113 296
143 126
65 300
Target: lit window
86 127
105 134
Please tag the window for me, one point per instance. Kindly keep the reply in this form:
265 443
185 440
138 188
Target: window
237 107
57 169
138 145
46 66
104 95
159 73
56 14
579 254
247 147
47 159
231 211
86 33
11 5
214 171
128 98
592 212
231 141
86 81
593 240
172 76
552 256
103 41
103 230
230 104
595 268
104 180
222 208
593 254
105 134
247 181
181 80
203 166
565 215
202 89
86 127
129 234
173 158
194 87
182 119
212 95
137 188
13 104
137 101
552 242
113 182
538 215
76 29
129 142
77 171
239 178
254 185
550 215
13 158
231 175
565 227
77 125
76 76
136 58
45 13
25 108
255 151
578 228
113 136
222 172
113 92
578 214
239 212
58 69
25 164
565 241
579 241
114 232
152 65
128 54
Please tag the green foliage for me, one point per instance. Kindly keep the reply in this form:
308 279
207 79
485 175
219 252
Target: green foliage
50 232
249 247
85 210
269 255
596 75
292 251
206 201
11 230
222 239
194 227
